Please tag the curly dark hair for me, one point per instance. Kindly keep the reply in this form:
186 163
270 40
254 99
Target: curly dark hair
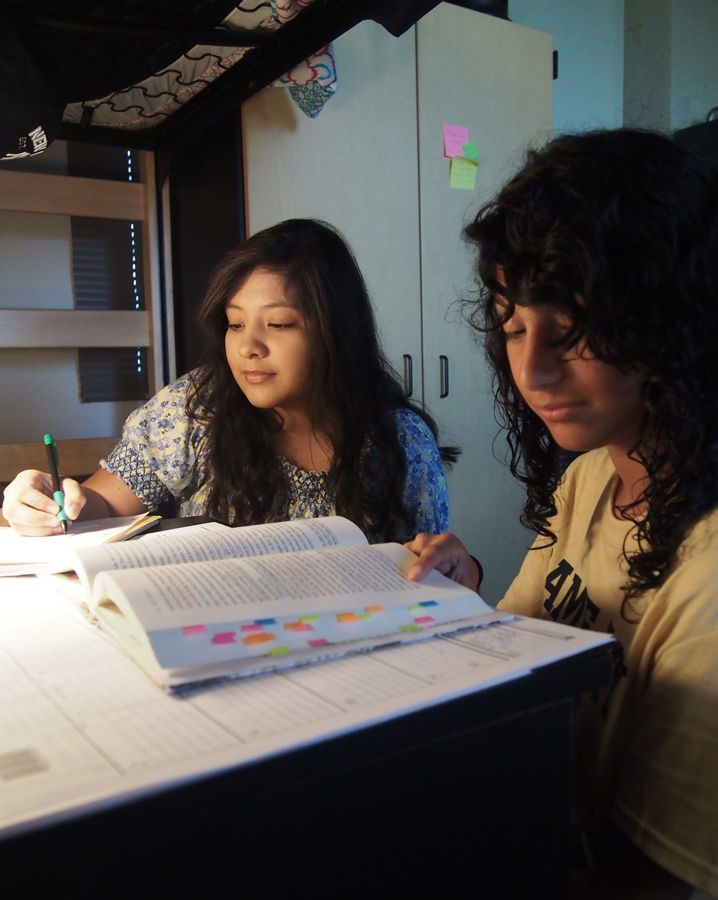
352 393
627 221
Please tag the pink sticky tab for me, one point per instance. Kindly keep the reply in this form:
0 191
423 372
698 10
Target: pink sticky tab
252 627
455 136
424 620
224 637
193 629
318 642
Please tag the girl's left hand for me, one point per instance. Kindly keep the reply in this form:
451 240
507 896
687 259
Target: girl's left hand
446 554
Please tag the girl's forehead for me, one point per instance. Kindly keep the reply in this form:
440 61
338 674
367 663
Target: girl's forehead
262 287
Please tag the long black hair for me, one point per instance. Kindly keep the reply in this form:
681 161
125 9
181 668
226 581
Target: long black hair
618 229
352 392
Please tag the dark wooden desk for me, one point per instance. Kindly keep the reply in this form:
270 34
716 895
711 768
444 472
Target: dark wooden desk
467 799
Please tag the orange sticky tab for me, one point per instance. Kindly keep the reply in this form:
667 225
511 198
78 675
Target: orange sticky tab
347 617
258 638
298 626
374 609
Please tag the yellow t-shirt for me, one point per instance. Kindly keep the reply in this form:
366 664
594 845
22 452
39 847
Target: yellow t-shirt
648 747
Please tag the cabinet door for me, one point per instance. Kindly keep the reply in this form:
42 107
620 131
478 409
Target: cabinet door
355 166
493 77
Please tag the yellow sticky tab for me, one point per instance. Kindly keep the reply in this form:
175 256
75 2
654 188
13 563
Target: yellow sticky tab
462 173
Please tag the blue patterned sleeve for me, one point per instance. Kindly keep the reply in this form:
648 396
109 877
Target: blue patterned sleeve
426 495
157 454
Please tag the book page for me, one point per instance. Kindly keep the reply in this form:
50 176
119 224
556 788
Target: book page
212 541
261 587
200 619
35 554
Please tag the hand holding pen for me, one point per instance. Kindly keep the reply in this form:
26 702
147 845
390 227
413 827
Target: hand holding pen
53 462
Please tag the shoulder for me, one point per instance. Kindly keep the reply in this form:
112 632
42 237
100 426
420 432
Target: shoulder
176 392
690 592
585 480
165 413
411 429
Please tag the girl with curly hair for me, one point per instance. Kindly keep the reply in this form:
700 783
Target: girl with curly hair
598 273
294 414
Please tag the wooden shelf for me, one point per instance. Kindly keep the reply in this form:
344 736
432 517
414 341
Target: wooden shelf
32 328
71 196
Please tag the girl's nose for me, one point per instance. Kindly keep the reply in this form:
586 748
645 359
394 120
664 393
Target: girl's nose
541 364
251 344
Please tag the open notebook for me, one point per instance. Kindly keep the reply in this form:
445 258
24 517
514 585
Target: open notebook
21 555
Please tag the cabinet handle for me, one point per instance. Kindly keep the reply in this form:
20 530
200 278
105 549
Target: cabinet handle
408 375
443 376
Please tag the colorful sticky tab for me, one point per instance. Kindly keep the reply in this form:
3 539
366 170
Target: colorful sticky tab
278 651
429 603
455 136
416 607
410 628
224 637
251 627
424 620
462 173
374 609
265 621
309 618
470 151
194 629
262 638
347 617
298 626
318 642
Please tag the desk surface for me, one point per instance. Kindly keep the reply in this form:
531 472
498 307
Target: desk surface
395 757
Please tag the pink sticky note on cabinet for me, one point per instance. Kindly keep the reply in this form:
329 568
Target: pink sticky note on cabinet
455 136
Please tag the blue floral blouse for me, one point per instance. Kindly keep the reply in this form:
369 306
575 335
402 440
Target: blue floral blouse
162 454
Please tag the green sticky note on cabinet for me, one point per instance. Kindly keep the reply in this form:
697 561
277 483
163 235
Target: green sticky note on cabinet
470 151
462 173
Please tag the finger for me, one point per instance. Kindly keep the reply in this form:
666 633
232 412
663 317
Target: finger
432 557
74 498
419 542
32 531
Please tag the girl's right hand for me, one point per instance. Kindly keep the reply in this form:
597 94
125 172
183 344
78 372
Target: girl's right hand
446 554
29 508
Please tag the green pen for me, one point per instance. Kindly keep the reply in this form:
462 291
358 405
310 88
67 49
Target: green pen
58 496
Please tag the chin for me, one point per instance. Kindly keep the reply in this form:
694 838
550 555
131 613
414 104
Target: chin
574 443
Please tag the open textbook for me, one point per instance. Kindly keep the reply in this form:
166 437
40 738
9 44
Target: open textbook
209 601
21 555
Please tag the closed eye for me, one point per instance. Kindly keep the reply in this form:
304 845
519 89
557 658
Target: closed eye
282 324
234 326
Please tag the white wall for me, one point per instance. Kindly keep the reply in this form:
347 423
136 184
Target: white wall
694 61
647 63
588 35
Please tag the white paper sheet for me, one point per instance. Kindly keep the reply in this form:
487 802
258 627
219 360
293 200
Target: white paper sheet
81 727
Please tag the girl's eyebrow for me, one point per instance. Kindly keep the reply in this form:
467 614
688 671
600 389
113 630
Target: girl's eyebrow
280 304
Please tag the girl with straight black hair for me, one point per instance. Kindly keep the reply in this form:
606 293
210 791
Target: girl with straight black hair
294 413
